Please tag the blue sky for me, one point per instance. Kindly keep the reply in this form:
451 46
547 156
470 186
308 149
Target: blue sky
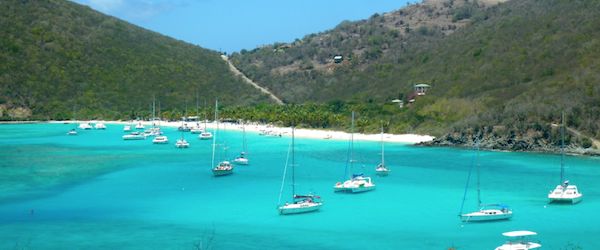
232 25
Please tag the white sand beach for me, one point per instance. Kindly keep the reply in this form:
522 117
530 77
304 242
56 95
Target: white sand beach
269 130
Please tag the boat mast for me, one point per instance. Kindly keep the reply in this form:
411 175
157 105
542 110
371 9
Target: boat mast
153 108
562 148
478 172
350 149
244 146
205 116
382 149
214 133
287 160
462 205
293 167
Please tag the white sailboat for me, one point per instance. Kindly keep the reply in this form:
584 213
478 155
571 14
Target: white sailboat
139 125
181 142
224 167
300 203
127 128
85 126
486 212
565 192
518 241
242 159
382 169
358 182
205 135
72 132
100 125
134 136
161 139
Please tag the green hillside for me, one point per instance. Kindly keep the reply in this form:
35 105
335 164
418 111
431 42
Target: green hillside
57 56
510 70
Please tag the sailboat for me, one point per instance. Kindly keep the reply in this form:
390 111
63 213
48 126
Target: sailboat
359 182
518 241
242 159
205 135
197 129
486 212
300 203
565 192
73 131
382 169
224 167
182 143
127 128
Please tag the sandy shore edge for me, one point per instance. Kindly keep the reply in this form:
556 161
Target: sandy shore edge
283 131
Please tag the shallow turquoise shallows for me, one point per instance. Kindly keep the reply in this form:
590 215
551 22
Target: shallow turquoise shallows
96 191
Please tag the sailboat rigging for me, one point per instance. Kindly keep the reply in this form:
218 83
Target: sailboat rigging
486 212
358 182
242 159
300 203
564 192
224 167
382 169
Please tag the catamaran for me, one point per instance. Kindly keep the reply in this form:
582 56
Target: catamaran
358 182
85 126
300 203
242 159
224 167
518 241
486 212
565 192
181 142
382 169
134 136
100 125
162 139
205 135
72 132
139 125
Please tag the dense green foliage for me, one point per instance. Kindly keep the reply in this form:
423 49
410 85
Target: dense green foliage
57 56
516 65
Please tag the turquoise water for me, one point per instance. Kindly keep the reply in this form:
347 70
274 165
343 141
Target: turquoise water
95 190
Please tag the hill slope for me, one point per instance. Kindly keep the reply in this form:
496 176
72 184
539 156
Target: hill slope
58 56
510 70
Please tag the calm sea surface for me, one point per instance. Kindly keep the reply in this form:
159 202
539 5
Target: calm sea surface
96 191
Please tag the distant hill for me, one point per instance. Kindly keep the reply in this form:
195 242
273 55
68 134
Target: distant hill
58 56
505 70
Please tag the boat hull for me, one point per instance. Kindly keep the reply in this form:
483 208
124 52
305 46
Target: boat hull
382 173
519 246
571 200
486 215
222 172
299 208
241 161
359 189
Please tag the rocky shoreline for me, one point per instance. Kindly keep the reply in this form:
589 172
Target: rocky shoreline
509 143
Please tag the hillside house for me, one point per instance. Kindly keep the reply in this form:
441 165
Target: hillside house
338 59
